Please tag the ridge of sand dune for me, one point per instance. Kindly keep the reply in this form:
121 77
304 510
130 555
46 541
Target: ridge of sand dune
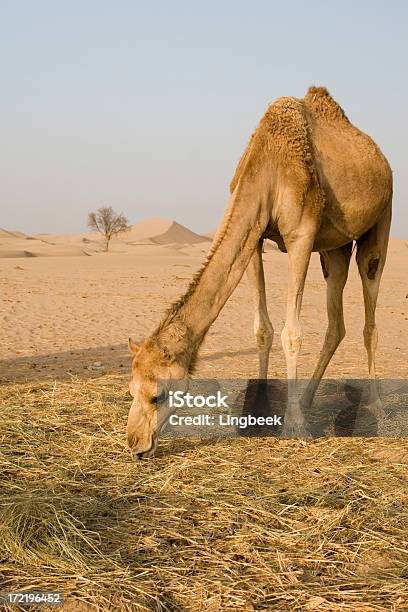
162 231
179 234
7 234
17 245
20 249
147 229
83 237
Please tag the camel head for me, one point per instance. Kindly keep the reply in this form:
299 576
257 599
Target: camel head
152 366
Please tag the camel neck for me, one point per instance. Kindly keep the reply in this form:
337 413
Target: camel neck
234 244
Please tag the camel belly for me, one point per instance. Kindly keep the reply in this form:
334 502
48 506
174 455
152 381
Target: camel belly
326 240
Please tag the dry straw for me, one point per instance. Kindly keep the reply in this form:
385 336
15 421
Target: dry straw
242 524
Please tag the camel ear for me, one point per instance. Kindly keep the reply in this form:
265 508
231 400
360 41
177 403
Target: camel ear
133 347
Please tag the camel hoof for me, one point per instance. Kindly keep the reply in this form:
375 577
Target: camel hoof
296 430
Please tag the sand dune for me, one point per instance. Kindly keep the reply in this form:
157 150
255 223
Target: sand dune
19 249
78 239
163 231
8 235
180 235
144 231
17 245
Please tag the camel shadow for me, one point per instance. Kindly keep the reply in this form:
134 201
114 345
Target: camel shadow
340 408
257 408
83 363
263 400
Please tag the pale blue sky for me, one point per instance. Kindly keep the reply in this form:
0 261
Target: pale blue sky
147 106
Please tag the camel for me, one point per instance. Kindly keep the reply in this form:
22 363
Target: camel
310 181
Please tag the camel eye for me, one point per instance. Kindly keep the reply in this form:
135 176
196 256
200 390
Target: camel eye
159 399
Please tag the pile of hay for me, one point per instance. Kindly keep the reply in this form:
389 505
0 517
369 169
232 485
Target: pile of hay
241 524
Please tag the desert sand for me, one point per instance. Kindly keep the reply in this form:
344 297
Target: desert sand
67 308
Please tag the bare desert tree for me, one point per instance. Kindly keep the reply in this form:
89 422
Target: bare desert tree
108 223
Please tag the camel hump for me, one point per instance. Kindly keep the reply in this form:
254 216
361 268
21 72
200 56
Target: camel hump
320 103
282 133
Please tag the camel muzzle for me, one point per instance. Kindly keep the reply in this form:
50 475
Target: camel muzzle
145 454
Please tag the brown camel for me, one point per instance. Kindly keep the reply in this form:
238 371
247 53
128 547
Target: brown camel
310 181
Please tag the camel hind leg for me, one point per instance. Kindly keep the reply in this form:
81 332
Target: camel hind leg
262 325
371 256
335 265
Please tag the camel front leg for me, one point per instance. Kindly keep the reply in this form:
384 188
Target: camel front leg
263 329
299 252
